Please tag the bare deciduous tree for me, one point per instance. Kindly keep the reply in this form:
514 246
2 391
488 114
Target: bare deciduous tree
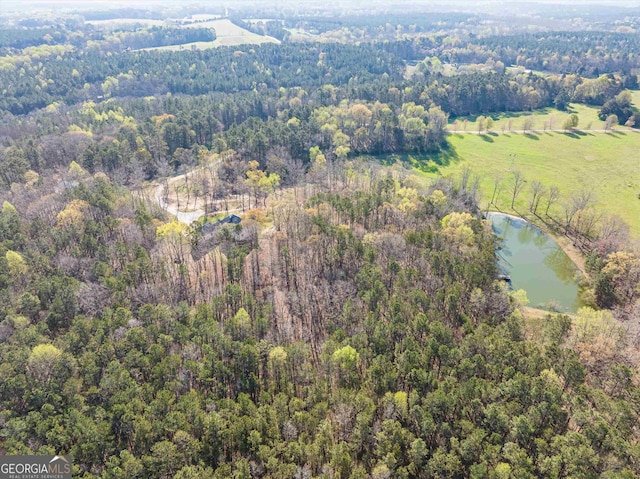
537 190
613 234
464 179
518 183
578 203
527 124
552 196
496 187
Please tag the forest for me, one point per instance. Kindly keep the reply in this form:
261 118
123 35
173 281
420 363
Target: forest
365 335
351 324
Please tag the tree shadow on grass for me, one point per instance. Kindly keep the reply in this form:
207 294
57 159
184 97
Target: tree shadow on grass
445 156
521 114
532 136
430 162
486 138
571 134
616 134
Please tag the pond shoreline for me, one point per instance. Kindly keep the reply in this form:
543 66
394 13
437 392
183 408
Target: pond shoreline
574 254
536 263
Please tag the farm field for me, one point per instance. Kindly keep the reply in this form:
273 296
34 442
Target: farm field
200 17
300 35
604 163
227 33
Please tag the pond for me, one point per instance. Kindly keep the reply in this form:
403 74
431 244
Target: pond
536 263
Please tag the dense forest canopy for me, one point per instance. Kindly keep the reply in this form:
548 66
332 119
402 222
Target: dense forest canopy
349 322
365 335
77 76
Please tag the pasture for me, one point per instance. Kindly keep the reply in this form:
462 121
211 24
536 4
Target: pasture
604 163
227 33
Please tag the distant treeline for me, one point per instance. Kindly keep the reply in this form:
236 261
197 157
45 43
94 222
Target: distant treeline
114 14
376 71
585 53
416 22
272 28
28 37
77 76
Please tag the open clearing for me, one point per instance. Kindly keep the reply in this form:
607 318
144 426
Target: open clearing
545 119
299 35
200 17
604 163
227 33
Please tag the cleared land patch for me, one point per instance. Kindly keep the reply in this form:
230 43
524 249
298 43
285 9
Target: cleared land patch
227 33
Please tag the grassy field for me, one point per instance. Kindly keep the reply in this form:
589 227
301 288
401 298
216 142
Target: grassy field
545 119
605 163
199 17
227 33
300 35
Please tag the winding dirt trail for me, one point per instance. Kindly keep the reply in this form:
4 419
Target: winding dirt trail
188 216
159 195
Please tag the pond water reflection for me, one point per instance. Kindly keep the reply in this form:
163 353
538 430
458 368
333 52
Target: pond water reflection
536 263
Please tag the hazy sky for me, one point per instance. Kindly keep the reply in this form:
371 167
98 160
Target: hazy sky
25 5
179 3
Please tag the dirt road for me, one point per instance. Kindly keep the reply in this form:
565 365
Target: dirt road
186 217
